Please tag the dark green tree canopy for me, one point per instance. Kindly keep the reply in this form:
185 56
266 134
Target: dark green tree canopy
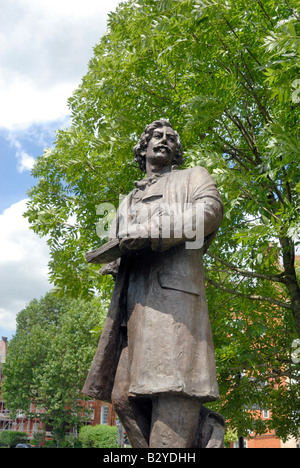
49 357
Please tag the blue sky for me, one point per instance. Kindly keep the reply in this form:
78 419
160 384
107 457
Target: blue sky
18 150
45 47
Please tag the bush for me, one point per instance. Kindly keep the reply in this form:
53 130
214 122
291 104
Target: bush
70 441
98 436
12 438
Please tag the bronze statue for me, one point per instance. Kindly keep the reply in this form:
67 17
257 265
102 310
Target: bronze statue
155 360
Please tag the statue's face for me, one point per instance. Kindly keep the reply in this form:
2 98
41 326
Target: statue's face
162 146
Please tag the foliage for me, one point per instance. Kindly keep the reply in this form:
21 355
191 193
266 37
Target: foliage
12 438
254 364
230 437
38 438
48 360
70 441
99 436
226 74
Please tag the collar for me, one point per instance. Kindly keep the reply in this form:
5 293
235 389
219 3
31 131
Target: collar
142 184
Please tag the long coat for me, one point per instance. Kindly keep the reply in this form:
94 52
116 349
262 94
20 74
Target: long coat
158 305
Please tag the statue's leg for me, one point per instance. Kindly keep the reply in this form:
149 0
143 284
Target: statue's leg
211 429
174 421
134 413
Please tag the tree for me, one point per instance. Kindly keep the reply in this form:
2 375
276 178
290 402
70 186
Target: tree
226 75
48 360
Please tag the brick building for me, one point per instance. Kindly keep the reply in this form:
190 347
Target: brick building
267 440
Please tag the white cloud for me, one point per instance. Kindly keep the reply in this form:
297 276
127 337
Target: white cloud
23 103
25 161
23 265
45 47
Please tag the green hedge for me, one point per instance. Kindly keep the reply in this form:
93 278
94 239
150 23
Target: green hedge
12 438
99 436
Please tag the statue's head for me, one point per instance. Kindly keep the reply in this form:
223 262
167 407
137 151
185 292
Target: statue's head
140 149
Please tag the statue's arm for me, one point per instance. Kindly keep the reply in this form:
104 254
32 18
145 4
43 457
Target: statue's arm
199 218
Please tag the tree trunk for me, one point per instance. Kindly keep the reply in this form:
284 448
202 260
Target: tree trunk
288 251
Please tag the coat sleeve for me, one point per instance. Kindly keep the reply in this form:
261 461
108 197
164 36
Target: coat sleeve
205 192
198 219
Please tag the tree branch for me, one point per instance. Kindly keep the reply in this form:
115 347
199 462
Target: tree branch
250 89
166 78
292 10
231 149
249 274
264 11
249 138
285 305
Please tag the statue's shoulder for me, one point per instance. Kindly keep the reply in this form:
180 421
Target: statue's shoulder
196 171
197 176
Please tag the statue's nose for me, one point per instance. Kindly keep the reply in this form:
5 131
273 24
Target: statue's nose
164 139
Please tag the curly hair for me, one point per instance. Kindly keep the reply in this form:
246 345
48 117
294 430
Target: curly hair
141 148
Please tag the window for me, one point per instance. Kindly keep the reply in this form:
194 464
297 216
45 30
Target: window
266 414
236 444
104 414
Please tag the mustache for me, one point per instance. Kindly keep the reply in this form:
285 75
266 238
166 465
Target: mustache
159 147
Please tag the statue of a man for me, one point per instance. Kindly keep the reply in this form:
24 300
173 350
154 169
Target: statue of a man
155 360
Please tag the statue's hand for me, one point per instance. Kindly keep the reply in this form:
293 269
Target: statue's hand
130 244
